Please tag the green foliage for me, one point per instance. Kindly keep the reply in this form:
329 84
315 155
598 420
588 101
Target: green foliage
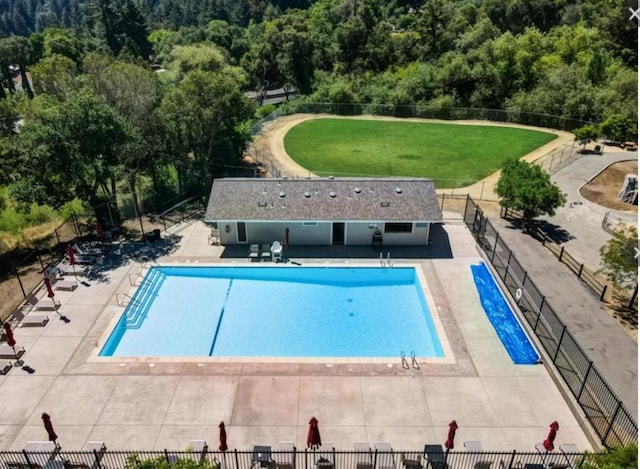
73 207
160 462
621 457
617 257
526 187
619 128
586 133
39 214
265 110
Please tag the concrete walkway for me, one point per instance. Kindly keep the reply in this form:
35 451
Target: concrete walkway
155 403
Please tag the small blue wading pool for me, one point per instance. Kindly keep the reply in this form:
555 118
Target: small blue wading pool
503 319
276 312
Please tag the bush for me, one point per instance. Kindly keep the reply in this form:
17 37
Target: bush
40 214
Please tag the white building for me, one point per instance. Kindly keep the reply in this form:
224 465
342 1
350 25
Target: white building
324 211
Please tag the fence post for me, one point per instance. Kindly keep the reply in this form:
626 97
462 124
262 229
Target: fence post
604 291
506 268
631 301
524 279
513 456
580 270
555 355
535 326
97 457
466 208
584 381
613 419
55 230
495 246
542 303
26 456
19 281
561 253
235 453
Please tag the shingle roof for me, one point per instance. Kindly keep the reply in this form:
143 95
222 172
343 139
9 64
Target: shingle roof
340 199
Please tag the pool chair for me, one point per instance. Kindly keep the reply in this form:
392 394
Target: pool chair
325 458
254 252
363 455
5 367
199 447
434 454
384 456
276 251
265 252
552 459
87 251
65 285
8 352
89 458
285 455
30 320
43 453
66 269
46 304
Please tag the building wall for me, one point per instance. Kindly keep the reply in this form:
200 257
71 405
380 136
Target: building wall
306 233
361 233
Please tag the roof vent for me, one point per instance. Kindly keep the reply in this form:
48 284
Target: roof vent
332 194
398 190
357 190
384 204
281 194
307 194
262 204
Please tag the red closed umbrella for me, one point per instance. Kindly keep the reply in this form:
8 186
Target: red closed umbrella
548 443
453 426
99 230
313 435
223 438
47 283
11 341
71 255
48 427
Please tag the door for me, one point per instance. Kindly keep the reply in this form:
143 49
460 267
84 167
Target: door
242 232
338 233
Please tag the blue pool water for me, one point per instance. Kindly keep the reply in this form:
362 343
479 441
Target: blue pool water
502 318
276 312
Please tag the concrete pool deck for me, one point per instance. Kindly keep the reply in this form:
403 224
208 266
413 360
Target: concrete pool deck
156 404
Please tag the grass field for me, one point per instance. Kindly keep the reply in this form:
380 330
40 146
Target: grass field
452 155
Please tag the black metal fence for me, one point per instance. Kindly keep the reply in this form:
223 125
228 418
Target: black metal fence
21 271
322 459
611 421
424 112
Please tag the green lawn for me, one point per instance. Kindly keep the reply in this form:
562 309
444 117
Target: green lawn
452 155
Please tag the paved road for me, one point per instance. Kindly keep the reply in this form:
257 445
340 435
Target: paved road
612 350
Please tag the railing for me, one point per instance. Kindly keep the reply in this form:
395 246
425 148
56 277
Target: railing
307 459
611 421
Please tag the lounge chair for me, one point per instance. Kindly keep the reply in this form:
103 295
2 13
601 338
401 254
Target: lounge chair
254 252
46 304
434 454
265 252
325 457
201 447
87 251
5 367
66 269
286 455
89 458
384 455
65 285
276 251
474 446
8 352
551 459
410 461
363 456
27 320
568 449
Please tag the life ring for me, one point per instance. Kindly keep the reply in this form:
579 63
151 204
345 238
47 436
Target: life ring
518 293
227 228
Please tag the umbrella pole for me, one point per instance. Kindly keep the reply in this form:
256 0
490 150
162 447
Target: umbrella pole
18 361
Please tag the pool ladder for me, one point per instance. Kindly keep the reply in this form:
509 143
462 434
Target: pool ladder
386 262
405 362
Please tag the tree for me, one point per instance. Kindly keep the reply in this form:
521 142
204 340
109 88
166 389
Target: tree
526 187
585 134
619 128
617 257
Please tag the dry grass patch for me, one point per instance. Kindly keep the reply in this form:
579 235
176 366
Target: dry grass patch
603 189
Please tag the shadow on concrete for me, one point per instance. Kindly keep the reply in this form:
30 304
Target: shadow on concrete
555 232
439 248
121 254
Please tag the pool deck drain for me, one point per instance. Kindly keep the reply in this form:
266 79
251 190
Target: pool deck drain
134 405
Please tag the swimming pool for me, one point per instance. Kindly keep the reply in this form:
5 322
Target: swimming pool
276 312
503 319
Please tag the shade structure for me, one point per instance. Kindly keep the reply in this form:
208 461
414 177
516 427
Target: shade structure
548 443
11 341
49 427
313 435
71 255
223 438
453 426
286 237
47 283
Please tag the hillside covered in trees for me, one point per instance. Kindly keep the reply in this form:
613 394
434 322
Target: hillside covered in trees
96 113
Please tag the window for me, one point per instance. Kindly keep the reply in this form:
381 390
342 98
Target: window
310 223
398 227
